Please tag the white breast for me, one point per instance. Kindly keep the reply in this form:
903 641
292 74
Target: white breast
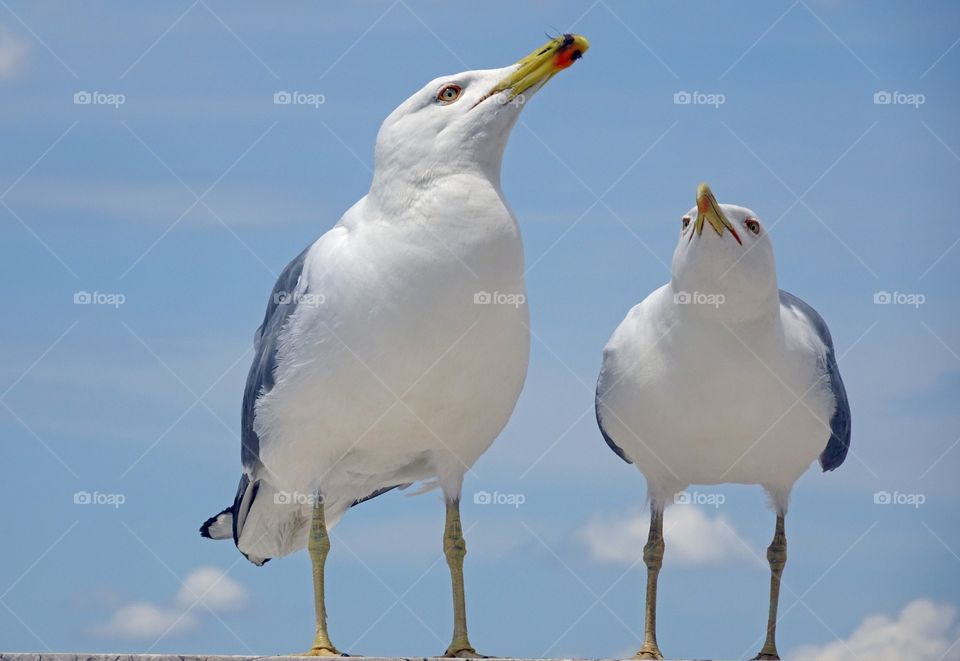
405 372
702 403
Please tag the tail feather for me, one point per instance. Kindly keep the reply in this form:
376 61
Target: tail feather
266 523
219 526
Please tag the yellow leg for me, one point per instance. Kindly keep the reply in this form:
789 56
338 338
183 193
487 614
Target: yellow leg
319 546
777 557
653 558
455 548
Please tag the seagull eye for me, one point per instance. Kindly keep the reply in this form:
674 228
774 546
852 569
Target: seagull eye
449 94
685 222
753 225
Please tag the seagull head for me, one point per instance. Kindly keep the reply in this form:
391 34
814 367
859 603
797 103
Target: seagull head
461 123
724 258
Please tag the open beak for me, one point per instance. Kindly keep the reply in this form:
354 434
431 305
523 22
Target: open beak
708 211
541 65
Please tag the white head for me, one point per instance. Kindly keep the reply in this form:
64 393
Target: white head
461 122
724 260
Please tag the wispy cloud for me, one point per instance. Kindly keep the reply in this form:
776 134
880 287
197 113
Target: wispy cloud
13 53
923 631
146 620
130 202
214 588
693 539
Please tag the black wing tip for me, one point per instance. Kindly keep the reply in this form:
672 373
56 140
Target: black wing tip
830 465
617 450
827 465
834 454
840 425
258 562
206 530
839 444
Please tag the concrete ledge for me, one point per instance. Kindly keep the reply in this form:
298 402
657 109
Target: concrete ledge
189 657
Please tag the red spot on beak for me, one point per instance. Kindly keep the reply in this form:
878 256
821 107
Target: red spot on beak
566 57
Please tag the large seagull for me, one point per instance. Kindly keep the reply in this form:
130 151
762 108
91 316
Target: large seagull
394 347
719 376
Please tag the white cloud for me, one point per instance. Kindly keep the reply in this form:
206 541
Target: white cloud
146 620
214 588
13 53
692 539
151 202
924 631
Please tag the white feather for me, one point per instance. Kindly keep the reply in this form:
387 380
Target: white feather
397 369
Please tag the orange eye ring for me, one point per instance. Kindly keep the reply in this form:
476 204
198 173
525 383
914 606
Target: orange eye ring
685 222
753 225
449 93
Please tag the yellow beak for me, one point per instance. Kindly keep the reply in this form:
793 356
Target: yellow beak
541 65
708 210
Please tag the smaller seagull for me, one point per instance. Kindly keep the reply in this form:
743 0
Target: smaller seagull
721 377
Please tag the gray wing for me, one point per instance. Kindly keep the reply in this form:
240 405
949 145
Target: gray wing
260 379
839 443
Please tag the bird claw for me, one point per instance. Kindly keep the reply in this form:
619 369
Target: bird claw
324 651
463 653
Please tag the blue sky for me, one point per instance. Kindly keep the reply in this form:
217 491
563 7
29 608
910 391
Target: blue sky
139 400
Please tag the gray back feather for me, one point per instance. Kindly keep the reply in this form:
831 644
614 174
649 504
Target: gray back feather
260 379
838 445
